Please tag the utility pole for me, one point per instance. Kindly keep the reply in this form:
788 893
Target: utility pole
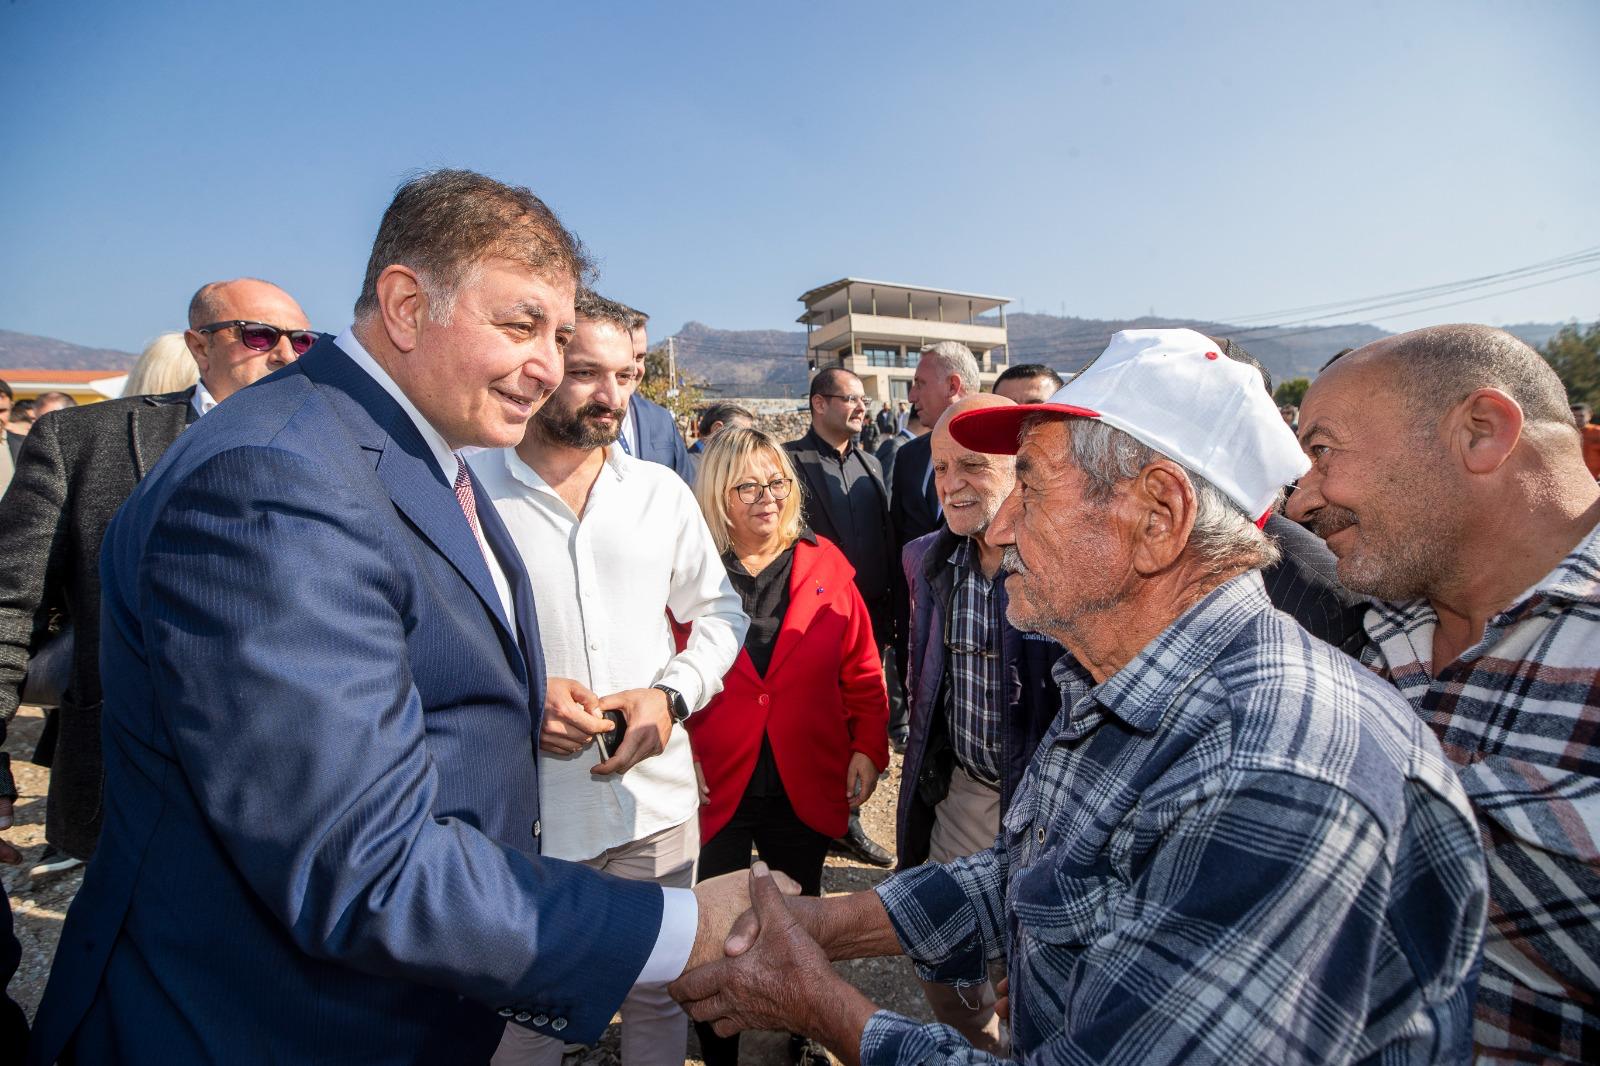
672 367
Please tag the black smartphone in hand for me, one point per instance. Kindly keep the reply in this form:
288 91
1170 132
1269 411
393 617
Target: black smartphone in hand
610 742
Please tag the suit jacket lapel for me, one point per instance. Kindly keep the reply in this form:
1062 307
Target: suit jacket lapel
807 594
407 469
155 425
817 474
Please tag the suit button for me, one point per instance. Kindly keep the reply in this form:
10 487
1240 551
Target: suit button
764 700
523 1016
506 1012
541 1019
558 1024
538 827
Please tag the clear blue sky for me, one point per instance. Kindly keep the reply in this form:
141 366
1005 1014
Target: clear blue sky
1213 160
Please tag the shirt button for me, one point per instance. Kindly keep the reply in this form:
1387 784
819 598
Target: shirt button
558 1024
506 1012
594 645
538 827
541 1019
523 1016
1038 834
764 700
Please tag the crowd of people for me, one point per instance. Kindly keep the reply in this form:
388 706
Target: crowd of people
425 699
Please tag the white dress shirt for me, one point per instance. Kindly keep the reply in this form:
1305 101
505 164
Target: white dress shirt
202 400
680 913
603 584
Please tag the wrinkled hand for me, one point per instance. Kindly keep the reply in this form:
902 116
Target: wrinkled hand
700 782
784 981
649 723
722 901
571 717
8 790
860 780
1002 998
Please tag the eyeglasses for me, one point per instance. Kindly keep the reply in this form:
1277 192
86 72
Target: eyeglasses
260 337
852 401
752 491
962 647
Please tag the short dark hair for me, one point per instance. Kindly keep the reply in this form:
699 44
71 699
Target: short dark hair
1576 407
5 390
444 223
722 411
636 317
825 380
596 308
1439 366
1025 372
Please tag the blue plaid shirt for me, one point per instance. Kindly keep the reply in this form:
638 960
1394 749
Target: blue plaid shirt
972 650
1240 848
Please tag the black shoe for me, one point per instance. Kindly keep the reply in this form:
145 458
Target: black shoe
52 861
857 845
897 740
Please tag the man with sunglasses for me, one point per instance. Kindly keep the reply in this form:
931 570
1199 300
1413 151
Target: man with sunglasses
77 467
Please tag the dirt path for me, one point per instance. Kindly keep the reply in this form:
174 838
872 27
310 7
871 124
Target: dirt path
38 909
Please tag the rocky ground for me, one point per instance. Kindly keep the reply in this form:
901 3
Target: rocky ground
38 908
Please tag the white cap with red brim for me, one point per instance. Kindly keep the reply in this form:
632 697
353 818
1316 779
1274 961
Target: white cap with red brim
1175 391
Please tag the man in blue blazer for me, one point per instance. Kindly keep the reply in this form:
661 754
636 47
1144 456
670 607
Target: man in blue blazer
322 680
650 432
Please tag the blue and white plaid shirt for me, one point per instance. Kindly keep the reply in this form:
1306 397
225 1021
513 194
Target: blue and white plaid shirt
1240 848
972 653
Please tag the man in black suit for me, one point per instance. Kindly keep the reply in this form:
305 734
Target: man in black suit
845 501
946 373
78 466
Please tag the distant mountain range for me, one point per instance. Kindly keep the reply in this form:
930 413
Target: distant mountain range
24 351
772 362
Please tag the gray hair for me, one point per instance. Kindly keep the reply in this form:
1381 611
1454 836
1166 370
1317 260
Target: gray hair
953 357
1224 537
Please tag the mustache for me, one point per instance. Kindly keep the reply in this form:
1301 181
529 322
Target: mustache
596 410
1011 561
1330 520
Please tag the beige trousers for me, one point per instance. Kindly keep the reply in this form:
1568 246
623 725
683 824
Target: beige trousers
967 821
655 1031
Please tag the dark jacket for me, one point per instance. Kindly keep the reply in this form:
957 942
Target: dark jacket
887 449
659 439
1304 583
806 456
1032 698
913 508
77 467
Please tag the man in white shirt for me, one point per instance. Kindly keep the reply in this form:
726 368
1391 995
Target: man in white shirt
612 543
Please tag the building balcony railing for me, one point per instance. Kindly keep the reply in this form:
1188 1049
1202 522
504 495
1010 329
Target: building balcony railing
904 330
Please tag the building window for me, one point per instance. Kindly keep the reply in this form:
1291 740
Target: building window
880 355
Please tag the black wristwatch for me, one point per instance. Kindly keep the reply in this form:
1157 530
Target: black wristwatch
675 705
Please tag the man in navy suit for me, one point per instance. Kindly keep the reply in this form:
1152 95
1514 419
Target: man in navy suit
650 432
322 678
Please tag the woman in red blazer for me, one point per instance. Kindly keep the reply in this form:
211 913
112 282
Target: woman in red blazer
799 733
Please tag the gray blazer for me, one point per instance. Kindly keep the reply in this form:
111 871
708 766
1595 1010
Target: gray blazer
77 466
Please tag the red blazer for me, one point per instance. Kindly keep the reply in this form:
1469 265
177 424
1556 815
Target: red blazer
822 700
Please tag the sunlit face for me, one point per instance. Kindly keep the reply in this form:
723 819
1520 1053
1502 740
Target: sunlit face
1378 489
1069 558
843 410
480 378
226 364
930 390
587 409
971 485
1026 390
754 523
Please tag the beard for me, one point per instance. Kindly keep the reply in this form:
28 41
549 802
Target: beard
577 429
1380 564
1026 615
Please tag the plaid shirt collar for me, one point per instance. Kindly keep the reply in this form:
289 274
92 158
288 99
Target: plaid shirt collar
1576 579
1149 686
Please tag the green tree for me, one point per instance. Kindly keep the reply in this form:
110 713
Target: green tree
1292 391
659 386
1575 354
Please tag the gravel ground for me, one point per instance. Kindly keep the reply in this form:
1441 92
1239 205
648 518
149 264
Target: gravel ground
38 908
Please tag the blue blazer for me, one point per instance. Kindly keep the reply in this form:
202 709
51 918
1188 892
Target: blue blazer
321 796
659 439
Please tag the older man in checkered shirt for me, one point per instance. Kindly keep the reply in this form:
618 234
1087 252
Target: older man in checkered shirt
1449 480
1234 845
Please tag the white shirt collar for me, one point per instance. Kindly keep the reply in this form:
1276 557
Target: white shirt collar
442 454
202 400
616 462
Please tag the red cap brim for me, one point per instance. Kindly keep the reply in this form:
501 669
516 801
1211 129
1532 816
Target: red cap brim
995 429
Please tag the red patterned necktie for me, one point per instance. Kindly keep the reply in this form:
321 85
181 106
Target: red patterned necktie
466 498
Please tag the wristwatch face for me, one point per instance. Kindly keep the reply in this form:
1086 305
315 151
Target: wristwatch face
675 705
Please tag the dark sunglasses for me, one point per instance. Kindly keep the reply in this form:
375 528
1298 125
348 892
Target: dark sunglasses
260 337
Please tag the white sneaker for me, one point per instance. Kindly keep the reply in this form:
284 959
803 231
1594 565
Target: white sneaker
52 861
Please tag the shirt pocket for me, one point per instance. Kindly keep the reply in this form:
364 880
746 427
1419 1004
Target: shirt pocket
1059 901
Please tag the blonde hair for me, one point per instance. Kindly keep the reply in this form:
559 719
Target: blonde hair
164 366
726 456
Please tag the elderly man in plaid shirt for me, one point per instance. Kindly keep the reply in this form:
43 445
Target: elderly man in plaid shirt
1234 845
1449 480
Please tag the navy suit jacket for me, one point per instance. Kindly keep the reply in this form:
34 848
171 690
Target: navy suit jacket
321 796
659 439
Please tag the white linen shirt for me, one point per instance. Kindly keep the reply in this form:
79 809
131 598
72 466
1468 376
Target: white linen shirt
602 585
